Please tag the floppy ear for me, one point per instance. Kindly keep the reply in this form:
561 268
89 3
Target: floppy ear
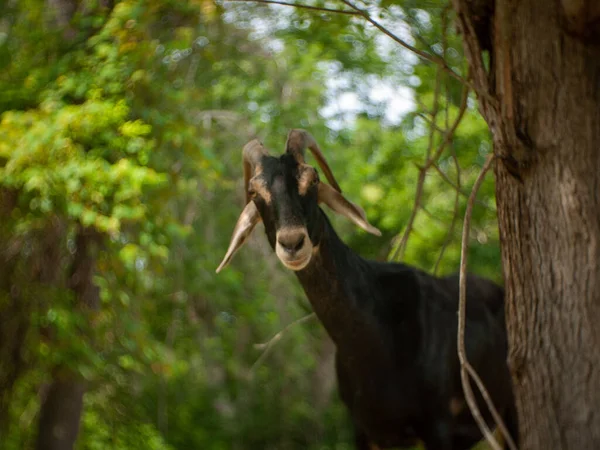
346 208
243 228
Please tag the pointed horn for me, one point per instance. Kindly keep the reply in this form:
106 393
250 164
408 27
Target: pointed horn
341 205
298 140
252 153
243 228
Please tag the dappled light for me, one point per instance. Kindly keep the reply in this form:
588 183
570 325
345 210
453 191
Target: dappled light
122 131
124 189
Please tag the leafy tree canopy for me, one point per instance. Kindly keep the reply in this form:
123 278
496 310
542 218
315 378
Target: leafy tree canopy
127 120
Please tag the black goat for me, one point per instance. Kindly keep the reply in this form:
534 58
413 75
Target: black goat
394 326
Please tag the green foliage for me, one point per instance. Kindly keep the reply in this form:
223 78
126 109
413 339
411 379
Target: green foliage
128 122
69 160
120 433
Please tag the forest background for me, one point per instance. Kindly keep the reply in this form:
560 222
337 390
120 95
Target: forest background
121 131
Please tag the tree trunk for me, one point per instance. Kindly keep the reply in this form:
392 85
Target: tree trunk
60 414
27 265
14 311
541 98
62 405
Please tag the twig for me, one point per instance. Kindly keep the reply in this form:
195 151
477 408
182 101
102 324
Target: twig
464 374
450 133
356 11
450 233
268 345
300 6
432 216
454 216
434 112
474 54
426 56
465 368
444 53
410 18
455 187
399 251
428 120
488 400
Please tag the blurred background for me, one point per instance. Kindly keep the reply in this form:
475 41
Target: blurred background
121 129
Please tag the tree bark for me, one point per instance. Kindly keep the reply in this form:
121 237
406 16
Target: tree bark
541 98
60 414
28 263
14 311
61 409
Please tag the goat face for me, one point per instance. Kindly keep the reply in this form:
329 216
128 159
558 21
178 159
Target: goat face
284 192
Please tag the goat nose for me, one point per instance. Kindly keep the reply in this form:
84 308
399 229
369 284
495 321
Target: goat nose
291 242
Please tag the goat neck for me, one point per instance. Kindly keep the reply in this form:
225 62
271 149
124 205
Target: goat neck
340 286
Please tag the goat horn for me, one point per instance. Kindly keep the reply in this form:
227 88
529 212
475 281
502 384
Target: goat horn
243 228
252 153
297 141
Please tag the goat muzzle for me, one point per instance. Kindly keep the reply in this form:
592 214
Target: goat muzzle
293 247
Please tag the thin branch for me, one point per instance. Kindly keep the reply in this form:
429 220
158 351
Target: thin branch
462 311
488 400
456 188
268 345
447 179
454 216
411 19
465 368
300 6
450 133
423 55
428 120
399 251
356 11
444 53
434 112
474 54
450 233
432 216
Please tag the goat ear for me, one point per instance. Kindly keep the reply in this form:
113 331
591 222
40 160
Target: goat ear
346 208
243 228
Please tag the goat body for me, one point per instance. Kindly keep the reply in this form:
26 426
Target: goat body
395 331
394 326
